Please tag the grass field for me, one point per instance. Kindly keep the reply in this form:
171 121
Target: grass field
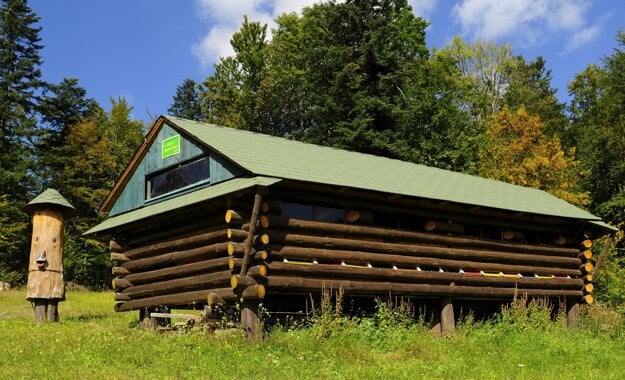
92 341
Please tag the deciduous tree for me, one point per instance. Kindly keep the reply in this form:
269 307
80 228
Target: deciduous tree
517 151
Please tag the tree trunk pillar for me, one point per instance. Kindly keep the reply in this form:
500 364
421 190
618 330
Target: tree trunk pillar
250 322
448 322
572 313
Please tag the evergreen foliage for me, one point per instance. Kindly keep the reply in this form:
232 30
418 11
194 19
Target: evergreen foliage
20 87
598 127
186 103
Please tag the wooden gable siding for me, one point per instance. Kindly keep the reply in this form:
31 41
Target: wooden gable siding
134 193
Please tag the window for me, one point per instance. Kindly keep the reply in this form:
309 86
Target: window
178 177
310 212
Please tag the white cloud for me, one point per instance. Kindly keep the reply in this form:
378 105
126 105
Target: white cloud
529 20
422 7
582 37
225 18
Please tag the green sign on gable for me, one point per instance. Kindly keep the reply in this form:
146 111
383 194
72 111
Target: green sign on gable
170 146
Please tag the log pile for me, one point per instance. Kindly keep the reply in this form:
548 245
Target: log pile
300 256
192 269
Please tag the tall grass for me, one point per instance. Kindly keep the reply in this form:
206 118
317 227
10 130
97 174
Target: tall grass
92 341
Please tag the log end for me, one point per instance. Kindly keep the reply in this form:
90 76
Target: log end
586 254
429 225
253 292
263 255
588 299
260 291
587 267
588 278
230 249
115 246
119 257
352 216
234 281
262 270
231 263
588 288
264 221
586 244
264 238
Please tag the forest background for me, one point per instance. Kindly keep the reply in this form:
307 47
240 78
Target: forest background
355 75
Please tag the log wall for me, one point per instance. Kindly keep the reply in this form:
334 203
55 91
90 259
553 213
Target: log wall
241 252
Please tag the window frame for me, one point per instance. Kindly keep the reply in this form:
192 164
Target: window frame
150 176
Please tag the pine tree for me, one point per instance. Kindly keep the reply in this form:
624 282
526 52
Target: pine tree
20 85
530 87
63 106
187 101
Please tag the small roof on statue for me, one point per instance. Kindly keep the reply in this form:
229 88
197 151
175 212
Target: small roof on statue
49 197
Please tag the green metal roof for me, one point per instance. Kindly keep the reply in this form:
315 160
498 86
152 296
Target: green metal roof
52 198
282 158
187 199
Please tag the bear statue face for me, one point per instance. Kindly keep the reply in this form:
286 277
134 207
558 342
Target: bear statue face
41 260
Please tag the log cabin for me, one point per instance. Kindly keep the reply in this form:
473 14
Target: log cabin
205 214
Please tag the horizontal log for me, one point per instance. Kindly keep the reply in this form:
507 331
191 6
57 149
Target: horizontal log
443 227
412 275
183 257
115 246
563 240
121 283
488 218
263 222
422 250
234 263
194 317
154 233
358 216
261 255
119 271
272 206
200 239
253 292
586 244
234 217
177 299
389 234
178 285
364 258
220 263
586 268
260 240
119 257
257 271
513 235
122 297
585 254
242 281
299 284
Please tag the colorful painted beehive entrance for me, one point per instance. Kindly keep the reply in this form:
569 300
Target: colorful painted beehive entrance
206 214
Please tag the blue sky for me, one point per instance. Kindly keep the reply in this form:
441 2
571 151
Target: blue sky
143 49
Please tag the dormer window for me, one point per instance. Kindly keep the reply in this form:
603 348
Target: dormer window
177 177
